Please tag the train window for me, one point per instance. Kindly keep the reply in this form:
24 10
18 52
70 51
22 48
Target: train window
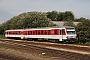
34 32
55 32
30 32
60 32
6 32
18 32
38 32
63 31
70 32
44 32
48 32
11 32
41 32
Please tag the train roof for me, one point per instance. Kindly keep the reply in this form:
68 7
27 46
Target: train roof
40 28
52 27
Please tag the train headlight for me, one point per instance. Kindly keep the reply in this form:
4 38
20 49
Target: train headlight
68 37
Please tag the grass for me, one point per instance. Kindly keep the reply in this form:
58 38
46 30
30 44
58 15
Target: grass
2 36
88 43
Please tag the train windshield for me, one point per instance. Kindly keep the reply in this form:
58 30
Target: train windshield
70 31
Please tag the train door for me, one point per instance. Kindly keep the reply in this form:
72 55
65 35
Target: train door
22 35
62 34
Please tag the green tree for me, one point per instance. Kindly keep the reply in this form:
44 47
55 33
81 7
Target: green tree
52 15
80 19
36 19
68 15
61 16
83 31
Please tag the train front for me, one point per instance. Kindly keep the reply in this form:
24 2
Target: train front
71 34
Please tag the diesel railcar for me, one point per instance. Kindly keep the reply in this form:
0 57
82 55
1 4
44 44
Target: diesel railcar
64 33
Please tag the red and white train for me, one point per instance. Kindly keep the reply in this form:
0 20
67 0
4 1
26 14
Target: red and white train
60 33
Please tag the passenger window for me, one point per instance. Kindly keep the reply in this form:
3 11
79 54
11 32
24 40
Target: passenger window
41 32
60 32
34 32
48 32
44 32
38 32
63 31
6 32
12 32
9 32
55 32
18 32
30 32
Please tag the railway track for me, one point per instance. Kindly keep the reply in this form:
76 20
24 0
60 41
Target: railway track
49 51
82 49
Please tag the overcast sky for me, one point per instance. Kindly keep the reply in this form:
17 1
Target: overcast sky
11 8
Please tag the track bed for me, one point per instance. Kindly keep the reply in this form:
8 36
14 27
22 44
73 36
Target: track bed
23 50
